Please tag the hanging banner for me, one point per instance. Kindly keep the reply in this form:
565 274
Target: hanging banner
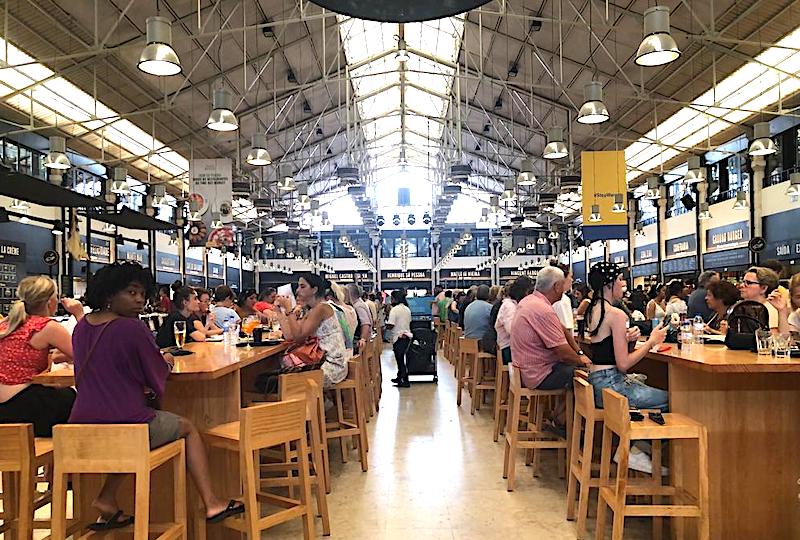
603 177
210 187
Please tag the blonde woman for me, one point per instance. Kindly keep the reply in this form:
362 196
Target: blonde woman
26 337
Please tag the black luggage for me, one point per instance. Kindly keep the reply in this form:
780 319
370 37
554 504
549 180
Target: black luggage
421 354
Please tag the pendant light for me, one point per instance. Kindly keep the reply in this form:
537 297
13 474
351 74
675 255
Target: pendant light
542 240
269 246
484 216
553 235
794 185
762 144
741 201
653 192
704 213
315 211
19 205
526 176
58 228
658 46
595 216
556 148
173 239
158 57
302 194
494 203
119 184
57 158
222 117
508 194
159 195
258 241
194 210
593 110
696 172
402 54
258 154
285 177
216 221
619 205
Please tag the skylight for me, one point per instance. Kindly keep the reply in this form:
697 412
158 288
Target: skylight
752 87
60 103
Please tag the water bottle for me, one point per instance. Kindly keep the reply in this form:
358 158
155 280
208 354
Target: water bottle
685 334
698 328
226 335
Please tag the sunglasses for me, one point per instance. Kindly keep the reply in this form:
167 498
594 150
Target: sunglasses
748 282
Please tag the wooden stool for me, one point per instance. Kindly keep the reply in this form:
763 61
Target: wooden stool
376 373
366 378
261 427
344 427
467 352
482 365
455 347
305 386
614 493
500 395
118 448
534 438
439 328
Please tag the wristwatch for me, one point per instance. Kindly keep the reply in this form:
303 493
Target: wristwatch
581 353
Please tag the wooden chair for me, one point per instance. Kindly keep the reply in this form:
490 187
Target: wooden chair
376 373
614 492
500 395
439 327
534 437
366 378
305 386
350 423
467 351
484 377
118 448
455 347
261 427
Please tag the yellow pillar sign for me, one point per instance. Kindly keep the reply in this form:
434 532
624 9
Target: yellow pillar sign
603 177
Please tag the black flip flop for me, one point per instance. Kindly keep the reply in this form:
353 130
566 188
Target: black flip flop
234 509
114 522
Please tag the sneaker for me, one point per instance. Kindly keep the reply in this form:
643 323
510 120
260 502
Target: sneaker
639 461
402 384
395 380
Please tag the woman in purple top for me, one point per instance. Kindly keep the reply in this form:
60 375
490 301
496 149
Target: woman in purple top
117 363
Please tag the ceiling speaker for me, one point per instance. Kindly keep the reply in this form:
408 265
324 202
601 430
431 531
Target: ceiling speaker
688 202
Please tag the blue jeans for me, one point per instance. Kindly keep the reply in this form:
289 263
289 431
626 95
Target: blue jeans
640 396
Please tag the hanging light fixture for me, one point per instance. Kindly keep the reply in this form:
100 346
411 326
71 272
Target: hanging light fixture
57 158
285 177
595 216
484 215
762 144
526 176
158 57
794 185
194 210
222 117
216 221
258 154
696 172
269 246
653 190
593 110
619 205
173 239
542 240
58 228
109 228
704 213
556 148
402 54
19 205
553 235
509 186
159 195
258 241
658 46
119 184
302 194
639 230
741 201
494 203
315 211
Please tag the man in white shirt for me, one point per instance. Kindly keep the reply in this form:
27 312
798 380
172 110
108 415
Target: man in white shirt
563 307
399 324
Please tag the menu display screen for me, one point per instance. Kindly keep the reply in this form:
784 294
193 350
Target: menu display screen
12 270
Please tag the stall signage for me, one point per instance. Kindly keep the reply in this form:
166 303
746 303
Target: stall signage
167 262
195 281
726 259
194 267
649 269
645 254
12 270
348 277
516 272
50 257
466 274
620 257
682 245
679 265
99 251
215 271
727 236
782 236
131 254
411 275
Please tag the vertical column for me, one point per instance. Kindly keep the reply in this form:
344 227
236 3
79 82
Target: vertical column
702 197
661 208
632 212
758 166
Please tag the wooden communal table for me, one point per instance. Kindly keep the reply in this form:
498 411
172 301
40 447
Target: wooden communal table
205 387
750 406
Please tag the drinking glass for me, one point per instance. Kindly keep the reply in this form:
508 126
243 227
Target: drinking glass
763 341
248 325
180 333
780 344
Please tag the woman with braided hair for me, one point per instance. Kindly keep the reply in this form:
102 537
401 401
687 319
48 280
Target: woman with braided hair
610 338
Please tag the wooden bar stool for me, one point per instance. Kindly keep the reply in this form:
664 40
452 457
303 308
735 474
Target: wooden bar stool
614 493
534 437
345 426
500 395
482 364
455 342
261 427
467 352
376 373
366 378
118 449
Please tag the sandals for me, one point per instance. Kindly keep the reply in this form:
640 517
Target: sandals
114 522
234 508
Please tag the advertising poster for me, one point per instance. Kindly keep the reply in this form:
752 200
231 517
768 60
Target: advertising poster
603 177
210 189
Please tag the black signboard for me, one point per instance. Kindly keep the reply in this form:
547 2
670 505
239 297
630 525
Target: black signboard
37 240
232 275
640 270
130 253
215 271
620 257
465 275
645 254
348 277
782 236
194 267
12 271
99 251
679 265
195 281
731 235
683 245
248 279
167 278
579 269
167 262
516 272
731 258
409 275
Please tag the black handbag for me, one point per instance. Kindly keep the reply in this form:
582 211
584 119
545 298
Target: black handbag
745 318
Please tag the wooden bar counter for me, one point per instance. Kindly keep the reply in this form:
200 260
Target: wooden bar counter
750 405
205 387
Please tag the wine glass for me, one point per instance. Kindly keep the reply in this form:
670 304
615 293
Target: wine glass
179 328
248 325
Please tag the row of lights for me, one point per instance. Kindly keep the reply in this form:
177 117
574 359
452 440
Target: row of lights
454 249
356 251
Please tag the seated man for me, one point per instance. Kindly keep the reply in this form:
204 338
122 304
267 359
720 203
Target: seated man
476 315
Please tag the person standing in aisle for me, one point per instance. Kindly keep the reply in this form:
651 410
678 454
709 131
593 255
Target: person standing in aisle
400 325
697 300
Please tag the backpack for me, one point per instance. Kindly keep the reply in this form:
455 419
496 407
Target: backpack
488 342
745 318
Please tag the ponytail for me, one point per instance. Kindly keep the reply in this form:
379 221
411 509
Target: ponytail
16 318
34 292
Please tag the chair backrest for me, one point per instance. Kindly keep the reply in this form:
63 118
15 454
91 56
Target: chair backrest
468 345
617 413
101 448
16 447
262 426
293 385
354 368
584 398
514 381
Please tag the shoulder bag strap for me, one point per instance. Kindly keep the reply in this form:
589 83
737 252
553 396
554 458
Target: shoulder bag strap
89 354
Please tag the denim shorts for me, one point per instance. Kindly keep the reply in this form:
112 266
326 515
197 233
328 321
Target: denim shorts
640 396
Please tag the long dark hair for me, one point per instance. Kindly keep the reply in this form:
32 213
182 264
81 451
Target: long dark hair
315 280
599 277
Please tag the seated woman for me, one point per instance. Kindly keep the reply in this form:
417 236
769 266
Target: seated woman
794 299
521 287
610 336
316 318
186 304
657 306
720 297
116 363
203 319
26 337
676 302
756 285
245 307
